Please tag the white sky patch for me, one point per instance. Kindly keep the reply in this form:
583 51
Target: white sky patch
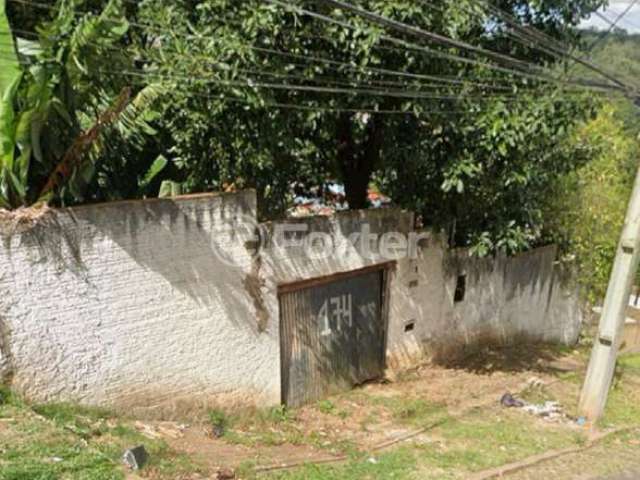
630 22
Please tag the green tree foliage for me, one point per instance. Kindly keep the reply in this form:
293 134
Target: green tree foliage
491 171
466 160
588 206
254 94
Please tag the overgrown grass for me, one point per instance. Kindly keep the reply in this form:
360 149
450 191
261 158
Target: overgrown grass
254 427
411 411
328 407
68 442
630 363
483 439
398 464
489 438
623 409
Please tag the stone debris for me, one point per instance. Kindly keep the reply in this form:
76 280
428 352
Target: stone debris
225 474
135 458
172 430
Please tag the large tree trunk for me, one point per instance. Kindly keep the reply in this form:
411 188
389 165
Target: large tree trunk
357 160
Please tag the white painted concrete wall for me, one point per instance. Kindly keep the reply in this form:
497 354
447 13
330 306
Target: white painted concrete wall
127 304
524 298
166 305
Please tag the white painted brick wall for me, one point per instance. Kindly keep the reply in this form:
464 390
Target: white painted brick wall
146 316
162 305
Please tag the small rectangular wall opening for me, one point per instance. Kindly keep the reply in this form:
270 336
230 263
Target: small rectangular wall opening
410 326
461 289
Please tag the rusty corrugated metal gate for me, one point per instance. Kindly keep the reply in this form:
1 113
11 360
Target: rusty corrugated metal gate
332 333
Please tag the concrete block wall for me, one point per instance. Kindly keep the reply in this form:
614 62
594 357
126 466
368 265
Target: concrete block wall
166 305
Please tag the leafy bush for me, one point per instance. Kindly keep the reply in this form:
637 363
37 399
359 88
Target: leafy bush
586 210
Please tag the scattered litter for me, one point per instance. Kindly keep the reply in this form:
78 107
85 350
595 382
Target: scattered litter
581 421
328 199
510 401
547 410
56 459
135 458
372 460
550 411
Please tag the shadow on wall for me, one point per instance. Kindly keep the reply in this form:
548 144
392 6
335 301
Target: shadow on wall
46 236
202 248
200 245
506 300
6 356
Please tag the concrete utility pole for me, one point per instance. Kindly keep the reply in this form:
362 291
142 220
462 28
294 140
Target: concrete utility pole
607 343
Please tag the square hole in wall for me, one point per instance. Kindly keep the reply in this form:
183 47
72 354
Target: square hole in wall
410 326
461 289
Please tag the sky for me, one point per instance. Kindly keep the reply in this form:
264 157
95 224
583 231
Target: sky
631 22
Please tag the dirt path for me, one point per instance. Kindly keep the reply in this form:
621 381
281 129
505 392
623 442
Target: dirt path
377 415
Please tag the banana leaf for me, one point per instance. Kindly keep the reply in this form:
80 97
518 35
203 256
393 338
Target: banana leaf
8 126
158 165
9 64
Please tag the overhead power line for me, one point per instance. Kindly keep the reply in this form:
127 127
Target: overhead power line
437 78
437 82
441 39
553 47
625 20
535 34
418 32
613 25
252 83
545 77
404 44
478 107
